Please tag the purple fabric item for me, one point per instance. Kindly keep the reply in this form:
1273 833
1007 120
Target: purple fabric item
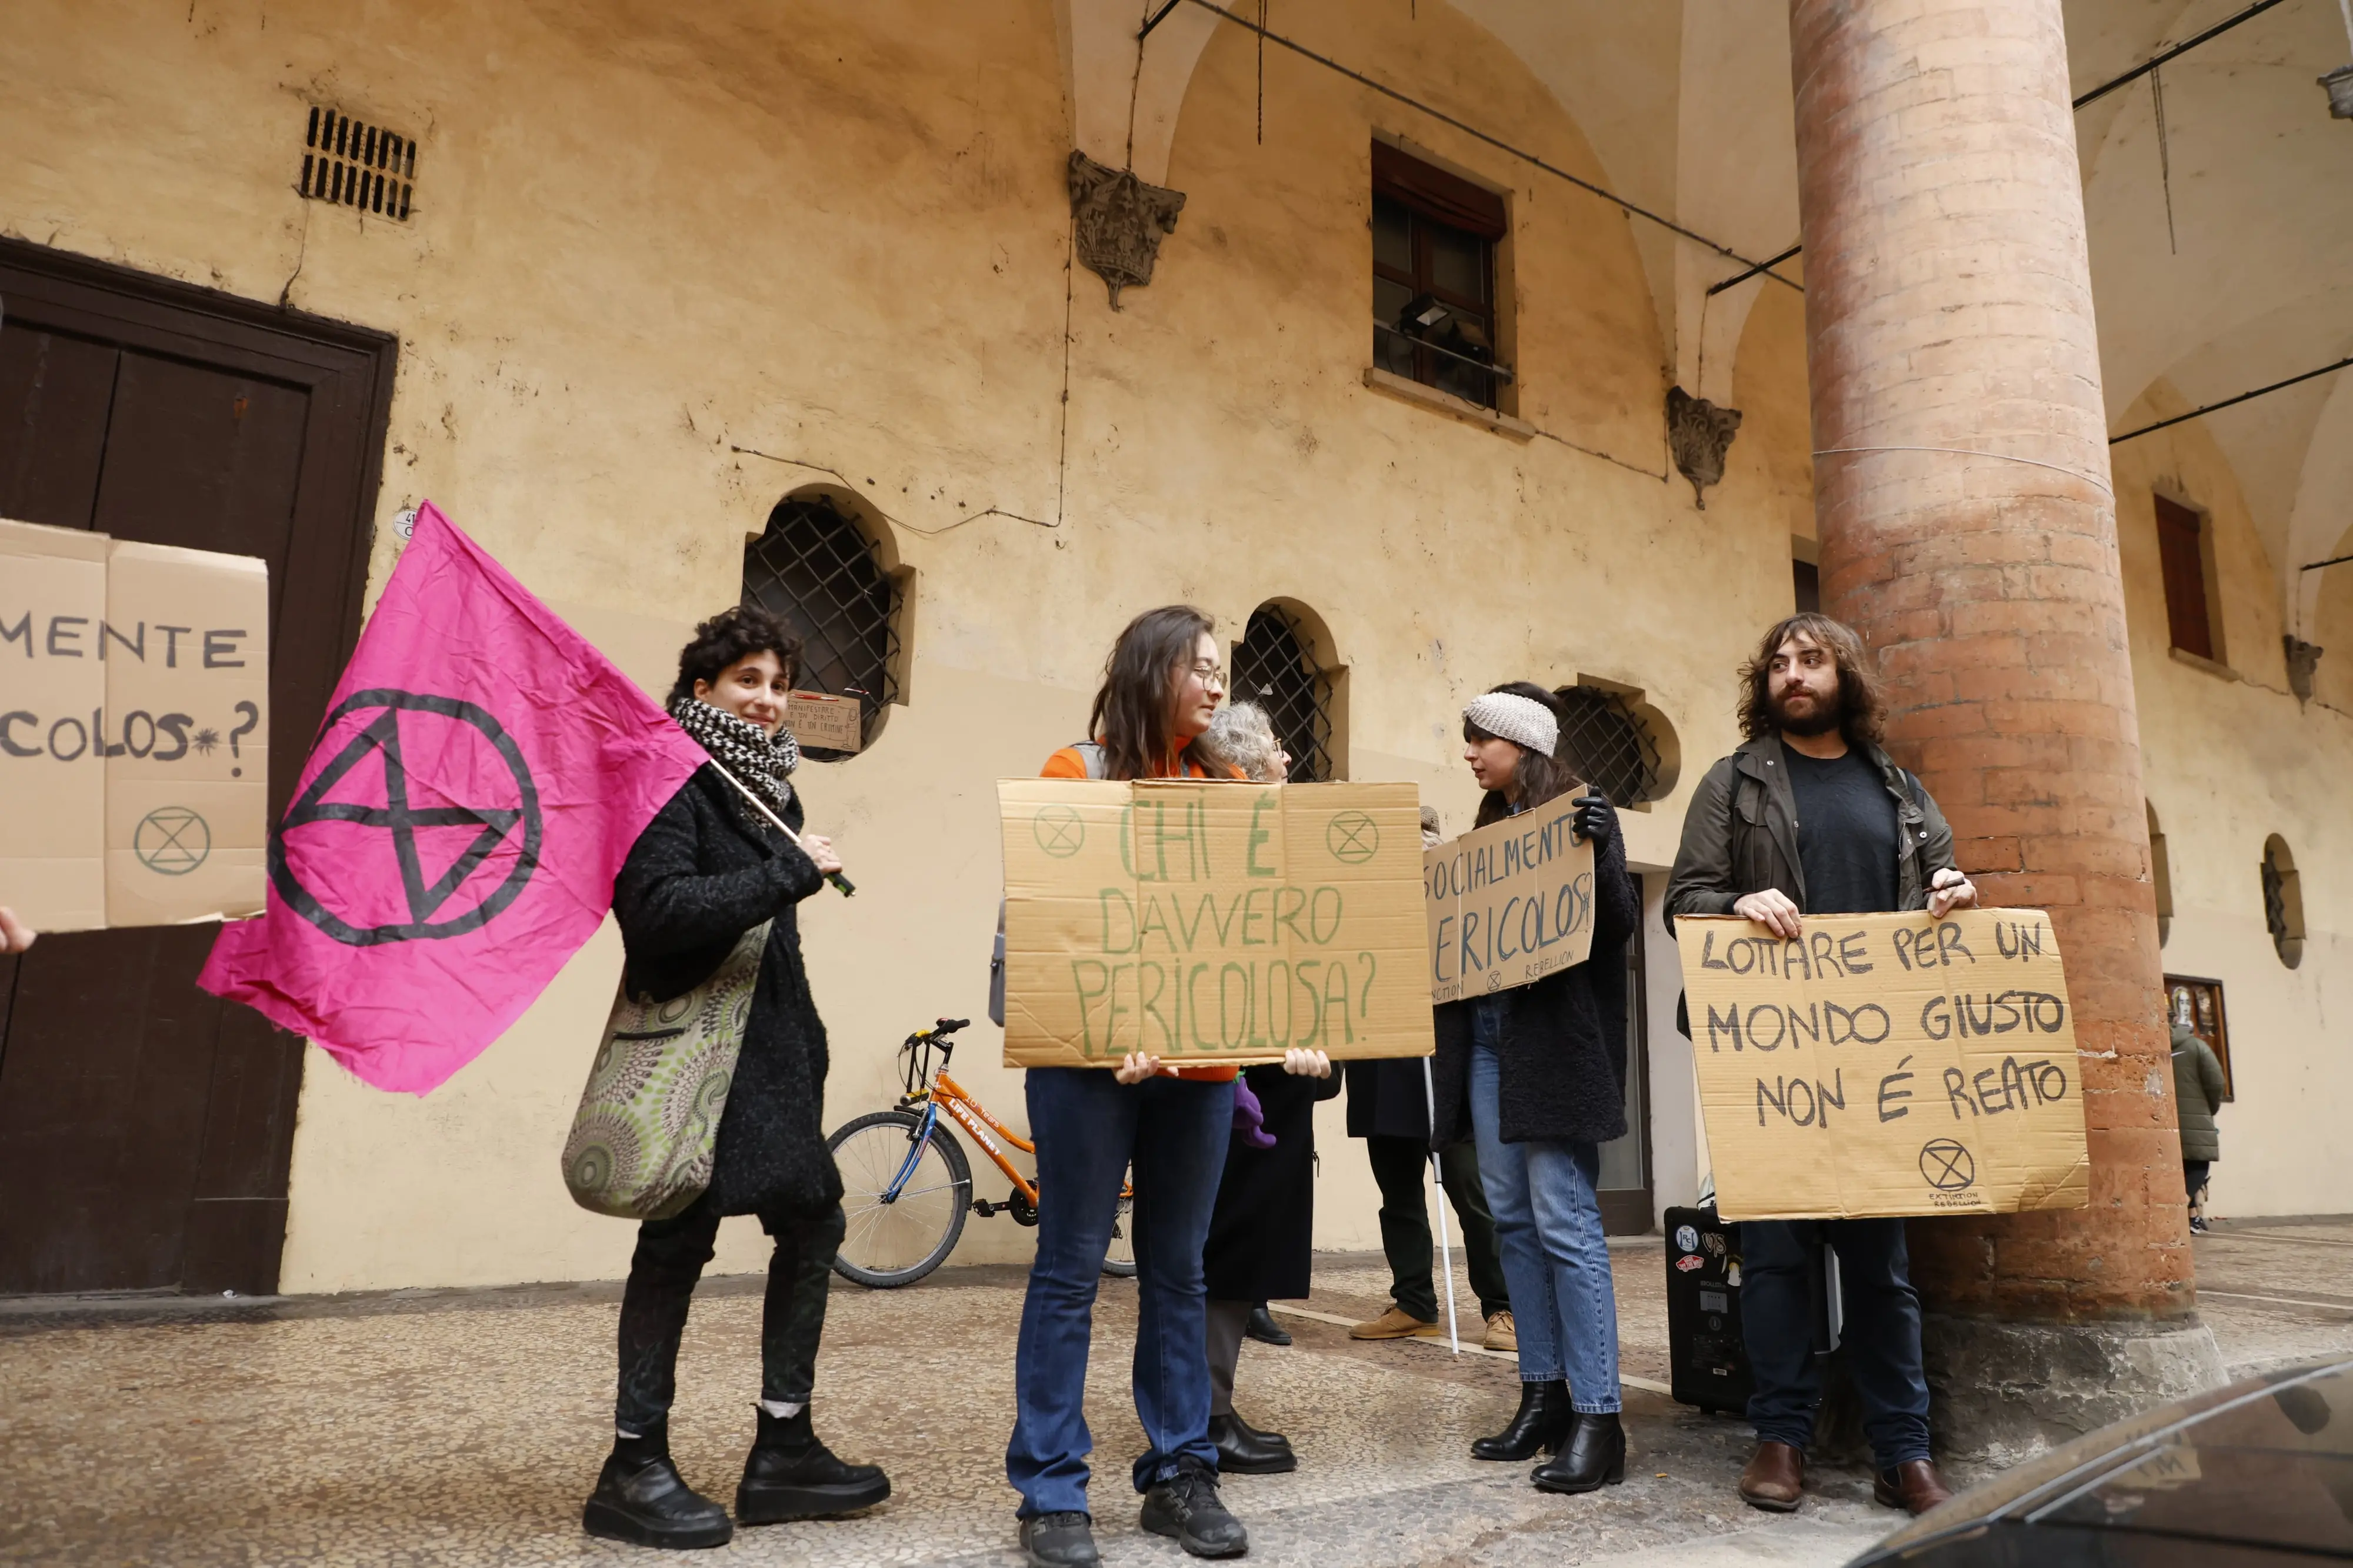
1249 1117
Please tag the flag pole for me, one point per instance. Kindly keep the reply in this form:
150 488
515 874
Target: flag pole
835 878
1438 1176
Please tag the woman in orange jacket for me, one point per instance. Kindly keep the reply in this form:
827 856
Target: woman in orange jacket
1160 689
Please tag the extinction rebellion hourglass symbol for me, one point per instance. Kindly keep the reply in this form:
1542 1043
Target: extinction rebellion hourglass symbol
347 883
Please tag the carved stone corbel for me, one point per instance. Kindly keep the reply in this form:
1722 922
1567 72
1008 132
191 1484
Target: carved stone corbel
1117 222
1699 434
2303 660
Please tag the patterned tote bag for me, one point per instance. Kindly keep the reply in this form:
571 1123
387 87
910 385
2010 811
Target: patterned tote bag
642 1140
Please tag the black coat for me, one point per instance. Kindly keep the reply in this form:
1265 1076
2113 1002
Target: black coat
697 878
1564 1050
1262 1230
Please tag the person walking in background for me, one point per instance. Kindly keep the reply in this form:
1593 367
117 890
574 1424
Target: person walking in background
1810 816
707 870
2197 1090
1262 1234
1161 689
1538 1075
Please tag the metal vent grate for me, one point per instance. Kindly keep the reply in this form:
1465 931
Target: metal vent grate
815 571
354 164
1274 668
1604 741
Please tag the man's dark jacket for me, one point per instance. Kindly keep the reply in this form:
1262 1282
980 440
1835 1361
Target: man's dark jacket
697 878
1740 835
1564 1050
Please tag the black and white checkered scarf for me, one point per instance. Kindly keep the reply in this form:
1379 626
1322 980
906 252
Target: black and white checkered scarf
759 759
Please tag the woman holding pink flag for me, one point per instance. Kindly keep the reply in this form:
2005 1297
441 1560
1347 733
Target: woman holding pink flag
706 871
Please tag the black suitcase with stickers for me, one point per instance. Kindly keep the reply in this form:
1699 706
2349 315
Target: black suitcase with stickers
1704 1345
1709 1358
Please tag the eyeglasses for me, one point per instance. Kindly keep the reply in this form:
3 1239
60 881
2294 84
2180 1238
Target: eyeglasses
1211 675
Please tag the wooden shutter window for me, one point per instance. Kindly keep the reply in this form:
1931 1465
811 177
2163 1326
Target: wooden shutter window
2182 558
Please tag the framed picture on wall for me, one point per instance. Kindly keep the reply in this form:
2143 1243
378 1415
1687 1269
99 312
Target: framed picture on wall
2199 1004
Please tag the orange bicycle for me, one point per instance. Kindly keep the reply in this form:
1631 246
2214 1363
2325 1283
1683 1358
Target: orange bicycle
906 1185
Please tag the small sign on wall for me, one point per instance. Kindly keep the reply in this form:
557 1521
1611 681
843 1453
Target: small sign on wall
826 723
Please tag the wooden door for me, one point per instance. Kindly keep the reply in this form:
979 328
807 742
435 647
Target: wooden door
1626 1184
144 1125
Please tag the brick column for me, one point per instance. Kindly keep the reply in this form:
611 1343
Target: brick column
1948 305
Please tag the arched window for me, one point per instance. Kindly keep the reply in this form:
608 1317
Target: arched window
1275 665
816 570
1609 744
2283 902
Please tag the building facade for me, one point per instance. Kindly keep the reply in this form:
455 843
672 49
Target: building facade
1424 392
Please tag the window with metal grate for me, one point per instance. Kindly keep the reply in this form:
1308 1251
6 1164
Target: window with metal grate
354 164
817 571
1608 744
1275 667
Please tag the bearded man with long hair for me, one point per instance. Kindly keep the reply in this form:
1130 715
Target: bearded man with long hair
1810 816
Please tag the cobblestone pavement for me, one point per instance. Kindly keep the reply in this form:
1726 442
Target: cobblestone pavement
465 1428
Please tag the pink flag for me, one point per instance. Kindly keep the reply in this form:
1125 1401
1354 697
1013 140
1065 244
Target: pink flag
453 836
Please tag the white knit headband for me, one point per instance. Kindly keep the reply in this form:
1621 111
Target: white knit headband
1523 720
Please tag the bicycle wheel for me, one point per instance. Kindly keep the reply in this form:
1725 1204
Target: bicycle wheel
886 1245
1120 1262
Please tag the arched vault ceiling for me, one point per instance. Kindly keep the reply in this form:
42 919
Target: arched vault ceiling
2254 280
1687 105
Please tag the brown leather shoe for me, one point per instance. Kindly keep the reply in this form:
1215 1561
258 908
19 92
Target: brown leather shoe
1775 1478
1397 1323
1913 1486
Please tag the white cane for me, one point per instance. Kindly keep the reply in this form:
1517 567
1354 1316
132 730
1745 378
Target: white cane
1438 1176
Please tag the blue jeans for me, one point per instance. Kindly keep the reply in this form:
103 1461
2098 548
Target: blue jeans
1880 1340
1549 1230
1088 1129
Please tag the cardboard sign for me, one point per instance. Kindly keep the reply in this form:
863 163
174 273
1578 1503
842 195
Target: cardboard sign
1886 1065
1210 922
1508 903
187 743
52 687
829 723
134 721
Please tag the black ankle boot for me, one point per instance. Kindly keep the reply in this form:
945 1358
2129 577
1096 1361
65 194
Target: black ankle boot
1538 1426
1244 1450
791 1475
1594 1456
1264 1328
639 1499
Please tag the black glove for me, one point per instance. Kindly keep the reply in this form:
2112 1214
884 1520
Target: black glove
1596 819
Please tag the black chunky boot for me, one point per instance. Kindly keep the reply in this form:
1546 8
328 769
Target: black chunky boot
1593 1456
1538 1426
791 1475
639 1499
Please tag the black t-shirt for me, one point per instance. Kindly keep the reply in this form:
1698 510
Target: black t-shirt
1846 833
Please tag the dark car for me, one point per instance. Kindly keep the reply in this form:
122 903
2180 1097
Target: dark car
2259 1474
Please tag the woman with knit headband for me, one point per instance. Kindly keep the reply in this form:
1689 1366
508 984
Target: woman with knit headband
1539 1074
